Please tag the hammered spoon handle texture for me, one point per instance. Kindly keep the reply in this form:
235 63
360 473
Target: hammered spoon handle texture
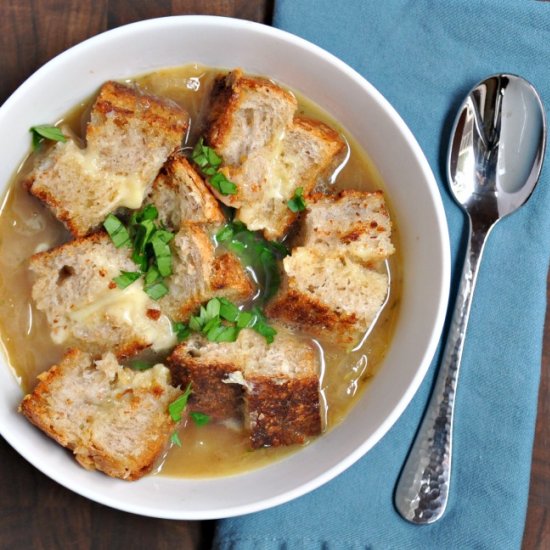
494 163
422 491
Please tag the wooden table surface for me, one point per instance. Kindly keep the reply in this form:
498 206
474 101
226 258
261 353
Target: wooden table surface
36 512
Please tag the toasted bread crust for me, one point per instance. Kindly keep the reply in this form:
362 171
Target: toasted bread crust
278 384
283 412
73 275
334 298
122 431
199 275
228 95
210 394
129 136
182 196
229 279
268 150
125 101
299 309
353 223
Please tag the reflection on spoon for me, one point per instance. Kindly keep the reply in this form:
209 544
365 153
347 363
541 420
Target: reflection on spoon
495 159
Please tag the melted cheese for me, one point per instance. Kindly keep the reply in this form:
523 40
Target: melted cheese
128 191
280 173
127 307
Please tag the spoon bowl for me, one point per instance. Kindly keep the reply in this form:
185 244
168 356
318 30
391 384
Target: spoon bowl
497 147
494 163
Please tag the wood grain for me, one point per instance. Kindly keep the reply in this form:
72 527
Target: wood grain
537 527
36 512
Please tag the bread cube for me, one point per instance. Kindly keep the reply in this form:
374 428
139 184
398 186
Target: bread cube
128 138
112 418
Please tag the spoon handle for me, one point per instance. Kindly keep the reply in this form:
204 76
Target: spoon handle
423 487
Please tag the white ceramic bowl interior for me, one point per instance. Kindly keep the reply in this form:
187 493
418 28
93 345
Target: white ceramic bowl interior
220 42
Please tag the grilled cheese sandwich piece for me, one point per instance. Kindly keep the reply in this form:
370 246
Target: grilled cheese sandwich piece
181 195
128 138
199 275
268 152
269 178
112 418
333 298
273 388
247 114
352 223
74 287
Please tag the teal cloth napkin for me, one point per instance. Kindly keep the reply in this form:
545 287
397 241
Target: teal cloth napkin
424 55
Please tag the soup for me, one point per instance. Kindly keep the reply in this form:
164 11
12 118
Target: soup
215 449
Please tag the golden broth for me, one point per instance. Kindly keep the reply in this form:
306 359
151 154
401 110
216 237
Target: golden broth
27 227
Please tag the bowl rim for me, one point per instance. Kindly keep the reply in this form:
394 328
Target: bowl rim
444 251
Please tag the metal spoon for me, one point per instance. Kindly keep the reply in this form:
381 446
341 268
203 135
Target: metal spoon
494 162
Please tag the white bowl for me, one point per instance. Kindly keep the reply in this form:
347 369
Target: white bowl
361 109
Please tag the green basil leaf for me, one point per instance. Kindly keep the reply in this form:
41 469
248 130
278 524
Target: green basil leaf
228 310
213 333
116 230
157 290
163 254
227 187
225 233
227 333
181 330
213 308
46 131
176 408
212 323
150 212
245 319
200 419
126 278
175 439
213 158
195 324
138 364
297 203
152 275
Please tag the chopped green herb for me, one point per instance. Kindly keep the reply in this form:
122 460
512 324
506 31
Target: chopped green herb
297 203
214 331
211 324
150 249
46 131
194 324
177 406
261 326
181 330
138 364
142 233
228 310
200 419
223 333
157 290
162 252
227 334
220 183
126 278
244 319
175 439
118 233
266 331
152 275
221 321
255 252
213 308
209 162
149 212
154 286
